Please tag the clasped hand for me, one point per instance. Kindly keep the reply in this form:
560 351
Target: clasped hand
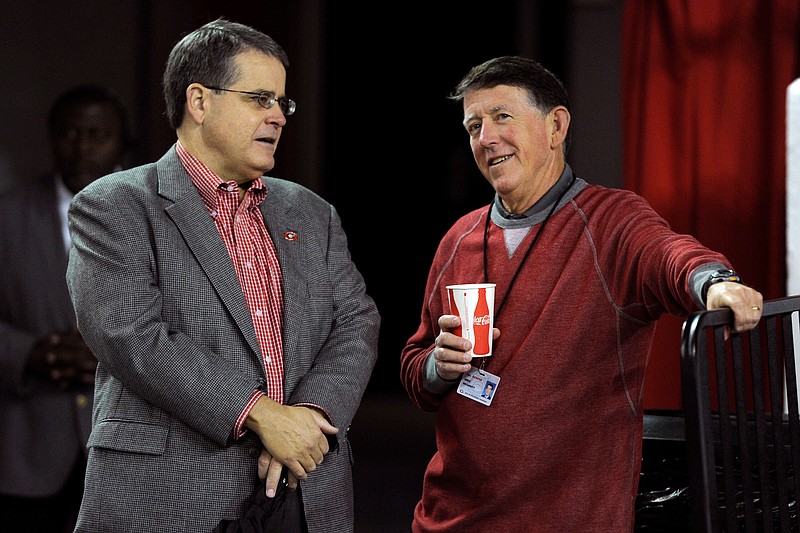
293 436
64 359
450 353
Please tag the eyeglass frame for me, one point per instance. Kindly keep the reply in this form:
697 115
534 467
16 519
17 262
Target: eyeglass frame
265 99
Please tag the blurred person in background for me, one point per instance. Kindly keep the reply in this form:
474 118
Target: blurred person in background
46 370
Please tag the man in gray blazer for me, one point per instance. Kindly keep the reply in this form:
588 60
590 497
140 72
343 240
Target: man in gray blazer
234 334
46 369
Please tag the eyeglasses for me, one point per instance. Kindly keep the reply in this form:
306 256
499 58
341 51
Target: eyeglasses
265 99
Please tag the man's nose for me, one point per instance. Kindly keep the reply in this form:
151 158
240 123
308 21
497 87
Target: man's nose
488 134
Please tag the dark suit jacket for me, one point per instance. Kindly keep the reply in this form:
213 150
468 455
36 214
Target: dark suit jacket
42 430
159 302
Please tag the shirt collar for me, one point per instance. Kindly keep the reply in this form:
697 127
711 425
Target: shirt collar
544 203
209 183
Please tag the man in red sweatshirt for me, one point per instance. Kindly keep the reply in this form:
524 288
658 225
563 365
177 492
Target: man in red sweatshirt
583 272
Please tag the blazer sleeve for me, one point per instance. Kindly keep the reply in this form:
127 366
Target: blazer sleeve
331 323
153 318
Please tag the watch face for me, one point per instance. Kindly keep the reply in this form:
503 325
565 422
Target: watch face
724 275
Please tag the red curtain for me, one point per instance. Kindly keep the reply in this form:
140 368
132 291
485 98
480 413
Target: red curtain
704 125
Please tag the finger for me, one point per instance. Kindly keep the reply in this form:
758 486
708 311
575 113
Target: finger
291 481
273 478
449 322
322 450
319 454
310 462
451 360
748 319
448 355
67 373
325 426
747 314
264 460
745 317
451 371
446 339
298 469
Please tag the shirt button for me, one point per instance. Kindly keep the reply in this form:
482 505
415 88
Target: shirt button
268 359
259 312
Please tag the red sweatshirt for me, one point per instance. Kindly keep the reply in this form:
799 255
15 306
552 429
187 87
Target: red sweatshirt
559 448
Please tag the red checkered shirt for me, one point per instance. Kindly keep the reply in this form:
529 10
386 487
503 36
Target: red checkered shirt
245 236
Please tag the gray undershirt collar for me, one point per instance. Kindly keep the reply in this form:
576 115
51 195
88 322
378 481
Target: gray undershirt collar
538 211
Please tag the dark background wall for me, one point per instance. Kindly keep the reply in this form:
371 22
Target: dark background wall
374 132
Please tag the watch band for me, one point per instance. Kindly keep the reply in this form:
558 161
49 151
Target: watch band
719 276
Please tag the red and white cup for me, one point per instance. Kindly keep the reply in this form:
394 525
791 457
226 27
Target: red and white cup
473 303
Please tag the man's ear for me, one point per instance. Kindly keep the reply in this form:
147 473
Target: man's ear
559 125
197 101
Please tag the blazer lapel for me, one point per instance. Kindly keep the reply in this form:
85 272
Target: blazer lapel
287 229
191 217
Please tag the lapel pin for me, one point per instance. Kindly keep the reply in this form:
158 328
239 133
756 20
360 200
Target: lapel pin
290 236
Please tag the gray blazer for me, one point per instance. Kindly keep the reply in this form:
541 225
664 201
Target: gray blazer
43 430
158 300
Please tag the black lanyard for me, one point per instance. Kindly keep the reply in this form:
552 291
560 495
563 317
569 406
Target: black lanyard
527 253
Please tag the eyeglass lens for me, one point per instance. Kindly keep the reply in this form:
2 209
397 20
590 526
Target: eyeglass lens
267 100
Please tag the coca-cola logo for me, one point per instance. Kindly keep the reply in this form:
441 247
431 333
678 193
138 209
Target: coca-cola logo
481 320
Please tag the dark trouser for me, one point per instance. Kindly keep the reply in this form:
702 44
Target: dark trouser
54 514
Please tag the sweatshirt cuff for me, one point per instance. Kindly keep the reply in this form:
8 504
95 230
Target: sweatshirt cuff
434 383
698 279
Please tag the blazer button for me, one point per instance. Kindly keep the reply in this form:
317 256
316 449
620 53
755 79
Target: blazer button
253 452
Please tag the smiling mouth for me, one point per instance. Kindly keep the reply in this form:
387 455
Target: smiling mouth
498 160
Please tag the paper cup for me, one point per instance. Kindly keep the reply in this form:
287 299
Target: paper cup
474 304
